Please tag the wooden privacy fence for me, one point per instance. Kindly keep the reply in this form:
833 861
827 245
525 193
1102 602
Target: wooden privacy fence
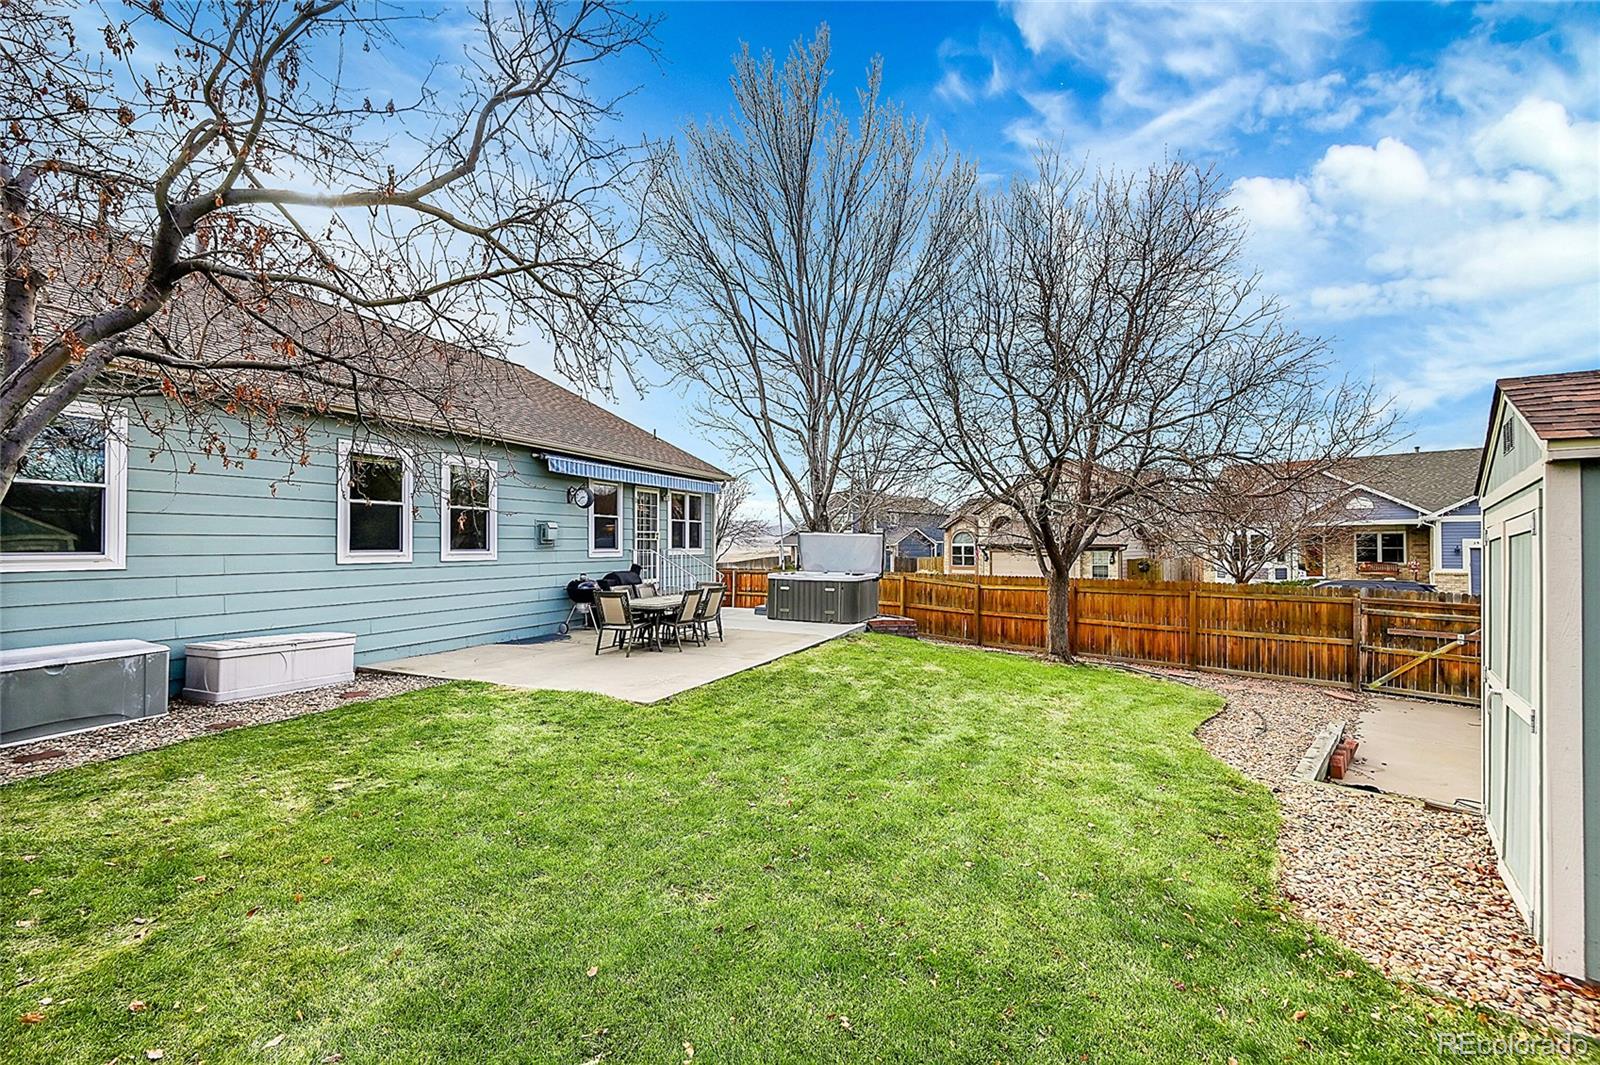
1408 643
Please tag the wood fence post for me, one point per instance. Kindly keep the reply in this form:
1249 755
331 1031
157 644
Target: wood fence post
977 608
1358 639
1194 627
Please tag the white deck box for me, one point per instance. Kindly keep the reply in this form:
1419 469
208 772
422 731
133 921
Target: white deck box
74 687
225 671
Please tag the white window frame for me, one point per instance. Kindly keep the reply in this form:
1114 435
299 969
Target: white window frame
973 547
1355 546
446 552
113 518
604 552
688 523
343 555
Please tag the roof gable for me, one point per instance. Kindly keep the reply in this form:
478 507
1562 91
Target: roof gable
1427 481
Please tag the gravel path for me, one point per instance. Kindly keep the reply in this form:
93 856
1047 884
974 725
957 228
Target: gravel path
1411 888
186 720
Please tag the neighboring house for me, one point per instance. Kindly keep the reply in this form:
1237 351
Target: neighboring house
986 538
1540 485
1411 515
911 525
421 544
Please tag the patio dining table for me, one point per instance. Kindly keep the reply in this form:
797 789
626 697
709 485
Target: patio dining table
656 607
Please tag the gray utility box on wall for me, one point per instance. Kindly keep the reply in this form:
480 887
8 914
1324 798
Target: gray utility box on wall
50 691
841 598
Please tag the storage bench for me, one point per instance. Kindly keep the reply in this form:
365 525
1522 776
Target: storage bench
225 671
73 687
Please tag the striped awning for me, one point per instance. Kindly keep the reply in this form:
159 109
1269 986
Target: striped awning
602 471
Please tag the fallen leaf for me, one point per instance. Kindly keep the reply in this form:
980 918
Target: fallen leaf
33 1017
30 857
332 1059
252 911
688 1052
46 1001
155 1055
137 1006
594 970
270 1043
1180 985
1299 1015
25 924
36 891
844 1022
201 879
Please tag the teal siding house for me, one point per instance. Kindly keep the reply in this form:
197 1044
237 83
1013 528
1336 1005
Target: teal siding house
1540 488
420 542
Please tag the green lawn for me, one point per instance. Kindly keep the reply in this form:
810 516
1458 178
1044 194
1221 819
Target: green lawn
874 851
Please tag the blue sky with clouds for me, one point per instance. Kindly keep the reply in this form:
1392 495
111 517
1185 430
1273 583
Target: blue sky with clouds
1422 181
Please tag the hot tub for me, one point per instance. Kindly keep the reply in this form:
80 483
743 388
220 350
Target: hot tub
818 595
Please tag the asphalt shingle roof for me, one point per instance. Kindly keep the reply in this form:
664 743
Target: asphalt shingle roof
1430 480
1559 406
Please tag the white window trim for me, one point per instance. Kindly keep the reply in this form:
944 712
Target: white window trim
589 521
974 545
113 519
446 552
1405 547
343 555
687 550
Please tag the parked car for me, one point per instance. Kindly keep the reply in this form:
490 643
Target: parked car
1378 584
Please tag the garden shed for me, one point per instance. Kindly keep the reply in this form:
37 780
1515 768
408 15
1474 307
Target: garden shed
1539 481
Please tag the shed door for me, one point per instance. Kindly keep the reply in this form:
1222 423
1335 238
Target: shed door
1513 642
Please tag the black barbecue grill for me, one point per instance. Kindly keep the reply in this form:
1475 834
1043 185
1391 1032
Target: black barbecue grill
581 592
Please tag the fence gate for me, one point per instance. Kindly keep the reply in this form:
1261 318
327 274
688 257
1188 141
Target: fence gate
1420 647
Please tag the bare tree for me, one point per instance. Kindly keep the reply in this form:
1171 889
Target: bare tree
800 245
207 205
735 523
1242 520
1103 353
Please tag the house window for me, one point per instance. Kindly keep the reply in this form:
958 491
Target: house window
374 504
467 506
67 507
605 519
963 551
1388 547
688 522
1100 565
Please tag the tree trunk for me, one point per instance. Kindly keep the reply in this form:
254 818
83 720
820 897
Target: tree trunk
1058 630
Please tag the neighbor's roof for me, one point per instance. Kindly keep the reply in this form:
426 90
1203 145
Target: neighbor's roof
1559 406
1429 480
893 536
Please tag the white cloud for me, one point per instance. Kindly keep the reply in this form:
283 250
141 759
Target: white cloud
1390 172
1273 205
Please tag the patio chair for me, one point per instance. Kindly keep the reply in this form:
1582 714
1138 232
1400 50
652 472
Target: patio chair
646 590
686 619
616 617
710 611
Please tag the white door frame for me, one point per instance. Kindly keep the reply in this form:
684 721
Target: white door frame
647 552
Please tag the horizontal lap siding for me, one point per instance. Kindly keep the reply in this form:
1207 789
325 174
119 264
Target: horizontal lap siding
214 554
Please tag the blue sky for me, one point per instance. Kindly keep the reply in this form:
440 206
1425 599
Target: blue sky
1422 181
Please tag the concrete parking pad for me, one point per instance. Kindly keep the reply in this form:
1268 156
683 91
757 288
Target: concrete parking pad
645 676
1426 750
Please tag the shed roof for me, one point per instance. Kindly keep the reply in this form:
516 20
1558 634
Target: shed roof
1559 406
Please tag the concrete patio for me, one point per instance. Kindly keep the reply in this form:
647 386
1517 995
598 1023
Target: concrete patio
1426 750
645 676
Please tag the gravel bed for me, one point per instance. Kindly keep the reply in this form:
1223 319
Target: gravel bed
1409 887
185 720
